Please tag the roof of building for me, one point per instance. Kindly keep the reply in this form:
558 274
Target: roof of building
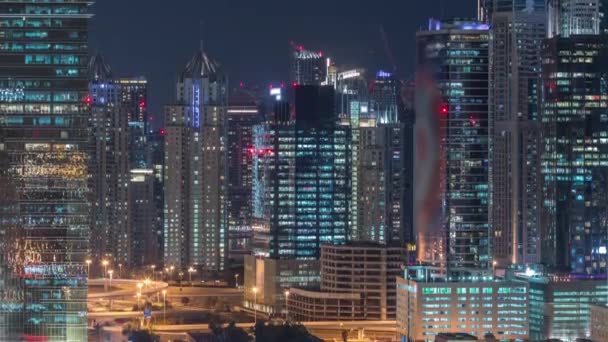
98 68
201 66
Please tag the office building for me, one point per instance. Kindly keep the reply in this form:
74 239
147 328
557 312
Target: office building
134 103
518 28
242 115
575 154
156 162
599 322
429 306
195 231
452 204
384 98
307 67
358 282
560 304
573 17
301 191
44 114
142 215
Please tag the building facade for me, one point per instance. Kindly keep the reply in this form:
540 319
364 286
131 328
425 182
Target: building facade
44 116
142 216
307 67
195 232
358 282
575 154
518 28
573 17
452 175
599 322
301 188
242 115
427 307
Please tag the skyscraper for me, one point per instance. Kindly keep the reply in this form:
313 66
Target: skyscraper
44 116
195 229
301 192
518 29
452 207
307 67
243 113
575 153
573 17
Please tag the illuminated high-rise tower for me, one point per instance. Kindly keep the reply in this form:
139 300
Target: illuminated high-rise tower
575 154
43 129
452 175
573 17
518 28
195 231
307 67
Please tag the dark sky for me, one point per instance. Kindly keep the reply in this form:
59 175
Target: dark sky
155 38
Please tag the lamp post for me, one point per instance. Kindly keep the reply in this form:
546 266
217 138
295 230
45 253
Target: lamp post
236 280
138 297
105 267
286 306
105 270
494 267
165 306
171 269
153 267
110 272
181 276
119 270
190 271
255 304
88 261
147 283
166 273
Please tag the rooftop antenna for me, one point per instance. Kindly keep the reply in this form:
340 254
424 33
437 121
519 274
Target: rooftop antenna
202 35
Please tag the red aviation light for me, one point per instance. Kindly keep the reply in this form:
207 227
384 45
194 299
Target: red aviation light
444 109
142 104
294 84
162 131
88 100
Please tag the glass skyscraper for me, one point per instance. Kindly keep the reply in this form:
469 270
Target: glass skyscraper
575 154
452 205
43 134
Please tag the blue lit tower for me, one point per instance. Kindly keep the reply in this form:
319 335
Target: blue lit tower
575 153
195 228
452 208
43 125
109 166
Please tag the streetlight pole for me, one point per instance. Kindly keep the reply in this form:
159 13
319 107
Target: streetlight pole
190 270
111 272
138 297
88 261
119 270
153 267
255 304
171 269
236 280
286 306
105 270
165 306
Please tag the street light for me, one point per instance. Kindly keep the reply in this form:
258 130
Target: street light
153 267
255 304
494 263
111 272
105 267
190 271
138 297
236 280
147 282
165 306
286 306
88 261
172 268
119 270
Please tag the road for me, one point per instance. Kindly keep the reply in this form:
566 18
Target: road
127 287
379 326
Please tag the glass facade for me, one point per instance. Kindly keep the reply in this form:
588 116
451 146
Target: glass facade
575 153
456 57
43 127
302 178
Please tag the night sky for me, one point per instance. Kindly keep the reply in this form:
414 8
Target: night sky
250 38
